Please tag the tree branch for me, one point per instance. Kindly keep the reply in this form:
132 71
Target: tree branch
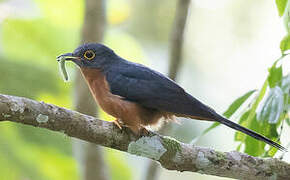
171 154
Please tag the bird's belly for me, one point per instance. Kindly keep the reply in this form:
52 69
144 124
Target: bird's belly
126 111
130 113
113 105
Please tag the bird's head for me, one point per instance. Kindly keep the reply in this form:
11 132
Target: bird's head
91 55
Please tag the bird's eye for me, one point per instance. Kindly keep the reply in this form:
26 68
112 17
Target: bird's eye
89 55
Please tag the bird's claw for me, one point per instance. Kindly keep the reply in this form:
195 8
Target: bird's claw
116 122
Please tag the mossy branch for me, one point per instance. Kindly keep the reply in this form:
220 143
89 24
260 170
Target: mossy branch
171 154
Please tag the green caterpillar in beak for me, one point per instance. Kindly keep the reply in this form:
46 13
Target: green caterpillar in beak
61 62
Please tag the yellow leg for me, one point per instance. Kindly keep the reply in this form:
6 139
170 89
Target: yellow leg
116 122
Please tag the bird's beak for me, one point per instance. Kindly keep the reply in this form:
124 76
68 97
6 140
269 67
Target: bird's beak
67 57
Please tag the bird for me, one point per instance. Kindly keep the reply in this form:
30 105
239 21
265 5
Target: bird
138 96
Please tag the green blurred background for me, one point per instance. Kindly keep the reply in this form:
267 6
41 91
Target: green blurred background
228 47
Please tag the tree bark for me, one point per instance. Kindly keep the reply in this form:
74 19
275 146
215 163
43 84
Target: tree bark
91 162
170 153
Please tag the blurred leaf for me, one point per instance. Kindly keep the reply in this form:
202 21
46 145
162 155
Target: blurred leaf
29 80
44 138
285 44
31 159
288 120
62 99
275 75
286 17
256 104
272 151
237 103
254 147
21 167
64 165
271 109
239 147
286 84
248 117
286 91
272 131
118 165
273 134
231 109
8 172
62 14
239 136
287 102
36 41
281 5
118 11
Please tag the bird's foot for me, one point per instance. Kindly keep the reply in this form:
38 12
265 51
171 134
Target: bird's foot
117 123
143 132
139 130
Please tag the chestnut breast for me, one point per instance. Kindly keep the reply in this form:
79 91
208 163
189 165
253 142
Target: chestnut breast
129 113
112 104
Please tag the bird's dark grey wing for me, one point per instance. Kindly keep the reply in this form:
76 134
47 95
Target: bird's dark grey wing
153 90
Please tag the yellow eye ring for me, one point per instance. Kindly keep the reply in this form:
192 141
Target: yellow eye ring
89 55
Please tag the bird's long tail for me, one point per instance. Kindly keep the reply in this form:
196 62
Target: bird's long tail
197 110
249 132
